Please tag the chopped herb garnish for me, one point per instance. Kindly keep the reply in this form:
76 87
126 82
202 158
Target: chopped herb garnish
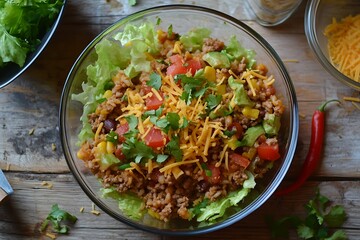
185 123
173 148
161 158
213 101
132 121
208 172
162 123
193 87
229 133
198 207
158 21
134 149
170 30
112 136
173 120
124 166
155 81
56 217
109 85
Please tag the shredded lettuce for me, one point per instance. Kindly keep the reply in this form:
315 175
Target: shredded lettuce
217 209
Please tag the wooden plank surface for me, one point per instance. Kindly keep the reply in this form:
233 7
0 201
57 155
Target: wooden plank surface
29 130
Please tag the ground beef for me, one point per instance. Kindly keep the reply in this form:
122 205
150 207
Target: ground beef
212 45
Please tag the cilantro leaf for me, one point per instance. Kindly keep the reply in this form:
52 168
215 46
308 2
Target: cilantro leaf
173 148
193 87
321 216
136 150
112 136
161 158
173 120
213 101
185 123
132 121
335 217
155 81
56 217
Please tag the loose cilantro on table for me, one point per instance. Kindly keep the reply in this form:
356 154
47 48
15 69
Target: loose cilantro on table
56 217
321 216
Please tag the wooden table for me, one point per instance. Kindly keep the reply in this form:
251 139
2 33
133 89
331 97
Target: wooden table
31 154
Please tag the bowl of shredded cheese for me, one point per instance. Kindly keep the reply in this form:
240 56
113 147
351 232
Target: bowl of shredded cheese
179 120
333 31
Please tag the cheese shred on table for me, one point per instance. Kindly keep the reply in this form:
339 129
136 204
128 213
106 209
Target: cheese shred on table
344 45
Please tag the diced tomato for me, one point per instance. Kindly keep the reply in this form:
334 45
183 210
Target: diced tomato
153 103
119 154
237 161
179 66
176 69
155 138
176 59
193 65
121 130
268 152
215 174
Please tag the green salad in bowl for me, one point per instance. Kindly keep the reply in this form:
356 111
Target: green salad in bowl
183 129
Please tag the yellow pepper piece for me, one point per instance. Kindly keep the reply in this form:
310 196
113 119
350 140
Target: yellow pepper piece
250 154
251 113
232 142
221 89
210 73
177 47
107 94
110 147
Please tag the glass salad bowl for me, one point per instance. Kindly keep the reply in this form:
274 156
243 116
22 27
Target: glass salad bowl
96 64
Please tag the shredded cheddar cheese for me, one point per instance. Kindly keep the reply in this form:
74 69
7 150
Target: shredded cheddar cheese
344 45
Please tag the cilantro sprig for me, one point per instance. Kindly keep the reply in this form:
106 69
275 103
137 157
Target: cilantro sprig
321 216
56 218
192 87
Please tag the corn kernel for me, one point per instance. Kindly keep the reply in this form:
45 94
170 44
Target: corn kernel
101 148
107 94
251 113
110 147
80 154
210 73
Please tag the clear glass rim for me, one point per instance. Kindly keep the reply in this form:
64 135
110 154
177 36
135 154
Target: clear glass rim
311 35
293 135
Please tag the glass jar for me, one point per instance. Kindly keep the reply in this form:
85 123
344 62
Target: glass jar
272 12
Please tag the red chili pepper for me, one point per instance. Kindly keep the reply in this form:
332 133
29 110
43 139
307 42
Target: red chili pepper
313 156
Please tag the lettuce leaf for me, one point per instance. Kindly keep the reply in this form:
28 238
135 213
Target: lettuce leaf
236 51
194 39
12 49
217 209
142 41
130 204
22 24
